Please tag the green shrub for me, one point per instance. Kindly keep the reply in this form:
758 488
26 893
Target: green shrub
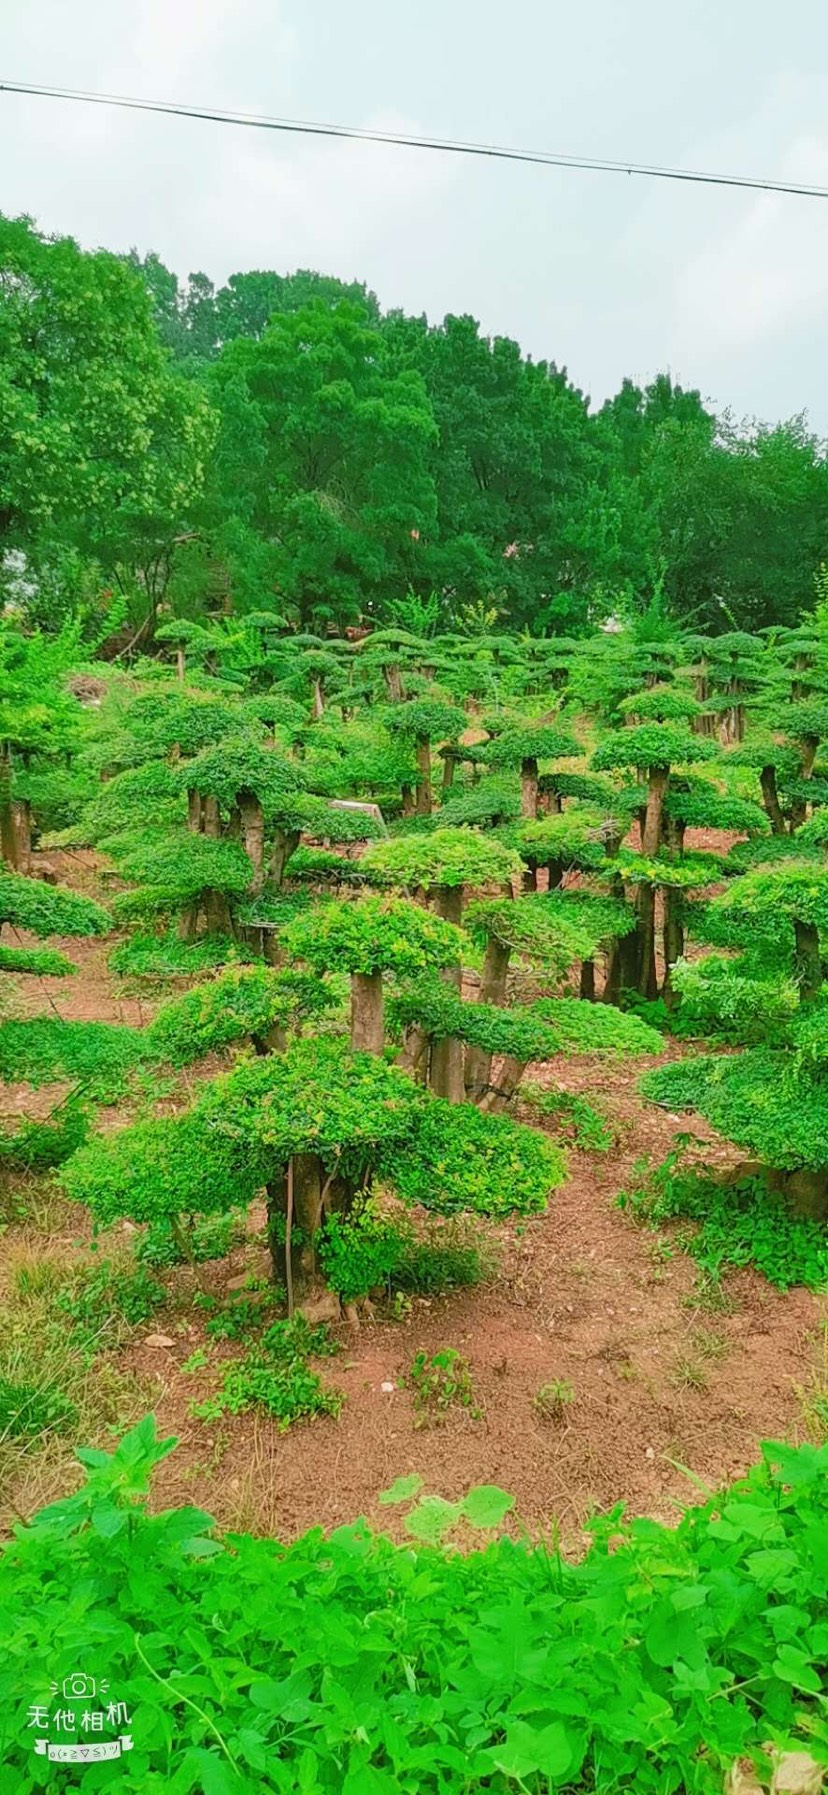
276 1376
43 1049
648 1666
38 1146
361 1251
146 956
206 1237
441 1381
744 1223
44 962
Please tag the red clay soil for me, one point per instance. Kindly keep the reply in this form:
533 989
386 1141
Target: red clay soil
581 1295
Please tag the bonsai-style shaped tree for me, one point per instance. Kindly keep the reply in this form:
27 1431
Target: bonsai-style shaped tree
652 749
183 875
367 938
525 745
243 1003
424 721
444 864
257 791
791 900
312 1126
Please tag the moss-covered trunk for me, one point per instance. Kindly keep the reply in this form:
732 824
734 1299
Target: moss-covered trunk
423 757
478 1067
807 960
770 800
529 787
446 1070
367 1013
253 837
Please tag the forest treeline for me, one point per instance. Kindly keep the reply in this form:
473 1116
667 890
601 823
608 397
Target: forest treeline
281 443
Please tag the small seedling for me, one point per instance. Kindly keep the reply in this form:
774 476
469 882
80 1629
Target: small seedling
196 1361
553 1399
440 1383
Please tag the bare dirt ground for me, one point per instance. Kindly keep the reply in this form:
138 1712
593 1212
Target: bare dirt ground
581 1294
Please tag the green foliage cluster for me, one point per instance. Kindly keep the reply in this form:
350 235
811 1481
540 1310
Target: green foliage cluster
241 1003
98 1055
44 962
174 871
758 1099
276 1376
207 1237
459 1159
574 1116
448 857
44 910
369 1249
101 1295
663 1689
741 1222
162 957
441 1381
37 1146
374 934
652 746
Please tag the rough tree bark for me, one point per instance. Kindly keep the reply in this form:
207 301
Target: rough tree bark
194 808
770 800
657 790
367 1013
493 991
252 833
446 1071
807 960
285 843
211 821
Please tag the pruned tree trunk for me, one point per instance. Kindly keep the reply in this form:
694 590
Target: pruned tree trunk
188 923
449 764
217 913
503 1089
276 1199
308 1183
645 930
367 1013
529 788
194 809
285 843
393 682
423 757
770 800
22 817
530 876
253 837
180 660
211 820
493 991
555 873
586 987
800 808
407 800
673 938
318 703
807 960
659 778
8 826
446 1069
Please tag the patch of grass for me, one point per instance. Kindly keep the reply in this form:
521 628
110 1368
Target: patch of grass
813 1395
275 1376
102 1297
553 1399
29 1409
578 1121
737 1224
688 1372
439 1383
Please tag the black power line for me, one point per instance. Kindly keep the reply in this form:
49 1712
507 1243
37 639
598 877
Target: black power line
399 139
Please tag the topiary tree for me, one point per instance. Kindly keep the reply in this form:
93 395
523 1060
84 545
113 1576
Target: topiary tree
257 789
791 901
444 864
577 839
243 1003
423 721
312 1126
652 749
775 765
367 938
193 876
516 1036
523 747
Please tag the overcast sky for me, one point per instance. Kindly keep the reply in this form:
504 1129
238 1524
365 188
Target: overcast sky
604 274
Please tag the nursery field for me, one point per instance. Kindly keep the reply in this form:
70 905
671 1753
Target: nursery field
413 1056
